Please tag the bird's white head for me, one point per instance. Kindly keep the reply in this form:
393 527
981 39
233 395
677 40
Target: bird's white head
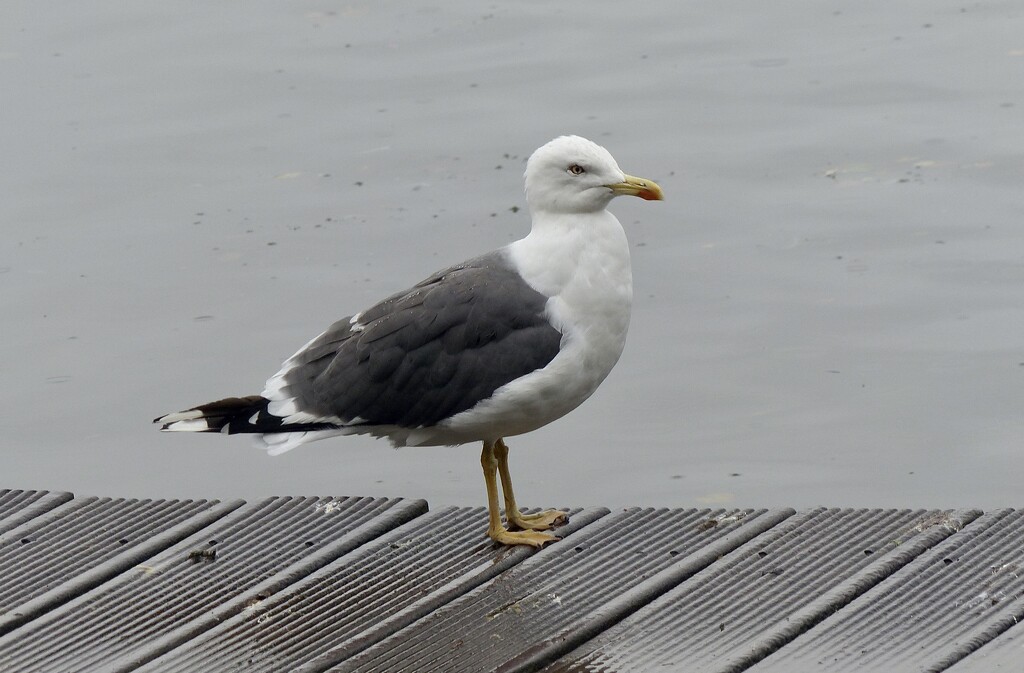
571 174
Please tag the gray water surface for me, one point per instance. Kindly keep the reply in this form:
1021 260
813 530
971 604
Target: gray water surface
828 305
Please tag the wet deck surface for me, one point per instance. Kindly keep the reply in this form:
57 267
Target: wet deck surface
375 584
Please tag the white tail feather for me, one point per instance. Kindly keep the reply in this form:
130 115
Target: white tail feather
179 416
187 425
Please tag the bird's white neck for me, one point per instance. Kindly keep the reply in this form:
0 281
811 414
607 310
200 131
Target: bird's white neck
561 246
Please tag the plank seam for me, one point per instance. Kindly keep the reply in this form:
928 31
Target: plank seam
44 504
622 606
841 595
402 512
437 599
1010 616
112 567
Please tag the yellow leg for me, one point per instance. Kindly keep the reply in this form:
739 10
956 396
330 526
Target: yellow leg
539 521
495 530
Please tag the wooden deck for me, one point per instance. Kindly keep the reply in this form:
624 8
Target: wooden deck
372 584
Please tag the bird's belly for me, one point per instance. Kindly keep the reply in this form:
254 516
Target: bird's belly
547 394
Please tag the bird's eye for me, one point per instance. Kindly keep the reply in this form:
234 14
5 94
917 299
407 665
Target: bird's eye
576 169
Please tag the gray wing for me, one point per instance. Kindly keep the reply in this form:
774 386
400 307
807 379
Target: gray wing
427 353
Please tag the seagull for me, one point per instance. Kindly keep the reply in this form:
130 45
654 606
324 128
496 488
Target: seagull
497 346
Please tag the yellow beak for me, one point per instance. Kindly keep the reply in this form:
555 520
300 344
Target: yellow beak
648 190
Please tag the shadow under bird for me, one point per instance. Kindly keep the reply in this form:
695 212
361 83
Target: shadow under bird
496 346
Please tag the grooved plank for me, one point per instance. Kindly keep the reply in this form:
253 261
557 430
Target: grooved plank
935 612
67 551
569 590
358 599
1005 653
244 557
767 593
17 507
359 584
